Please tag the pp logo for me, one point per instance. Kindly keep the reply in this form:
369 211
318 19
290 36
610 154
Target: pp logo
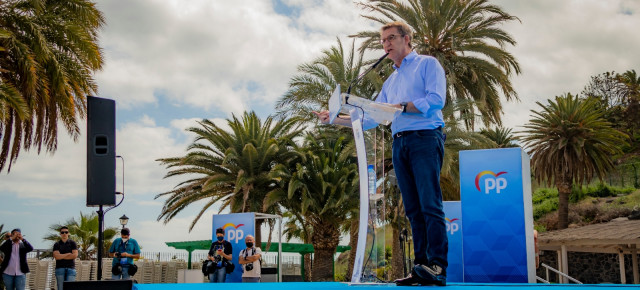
234 233
491 183
451 226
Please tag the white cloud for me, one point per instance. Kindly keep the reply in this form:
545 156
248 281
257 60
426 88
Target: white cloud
561 44
49 176
63 174
229 56
224 55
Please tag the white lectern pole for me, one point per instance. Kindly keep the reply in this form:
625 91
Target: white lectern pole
382 114
356 124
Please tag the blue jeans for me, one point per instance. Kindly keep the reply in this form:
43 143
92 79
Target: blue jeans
219 276
14 282
124 275
64 274
417 160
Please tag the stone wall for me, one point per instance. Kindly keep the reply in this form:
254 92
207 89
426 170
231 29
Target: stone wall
588 268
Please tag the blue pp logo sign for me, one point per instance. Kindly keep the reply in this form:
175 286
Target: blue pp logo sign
451 226
234 233
491 183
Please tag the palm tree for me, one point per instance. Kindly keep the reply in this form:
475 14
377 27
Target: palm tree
322 187
619 96
311 88
501 136
231 167
458 138
48 54
631 113
85 233
468 40
570 142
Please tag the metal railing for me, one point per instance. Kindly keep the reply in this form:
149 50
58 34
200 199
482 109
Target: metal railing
547 267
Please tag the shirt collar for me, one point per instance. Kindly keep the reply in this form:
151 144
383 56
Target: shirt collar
409 58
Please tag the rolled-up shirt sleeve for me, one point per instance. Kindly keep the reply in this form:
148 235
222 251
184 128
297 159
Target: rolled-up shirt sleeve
435 88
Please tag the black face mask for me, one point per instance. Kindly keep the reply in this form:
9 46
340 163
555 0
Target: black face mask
220 238
249 245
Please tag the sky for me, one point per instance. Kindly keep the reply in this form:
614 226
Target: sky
170 63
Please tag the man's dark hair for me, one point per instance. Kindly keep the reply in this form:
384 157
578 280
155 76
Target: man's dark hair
63 228
125 231
219 231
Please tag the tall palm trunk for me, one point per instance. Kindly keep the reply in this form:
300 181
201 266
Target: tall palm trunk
353 242
308 267
325 240
258 234
564 186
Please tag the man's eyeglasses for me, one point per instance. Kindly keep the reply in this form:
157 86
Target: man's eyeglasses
390 38
65 232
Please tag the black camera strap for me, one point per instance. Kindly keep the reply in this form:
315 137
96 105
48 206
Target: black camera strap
123 246
246 253
253 252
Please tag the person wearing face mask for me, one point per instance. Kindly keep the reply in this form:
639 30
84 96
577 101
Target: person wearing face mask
123 251
250 260
220 253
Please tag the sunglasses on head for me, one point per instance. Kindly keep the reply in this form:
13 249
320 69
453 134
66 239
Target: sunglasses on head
64 232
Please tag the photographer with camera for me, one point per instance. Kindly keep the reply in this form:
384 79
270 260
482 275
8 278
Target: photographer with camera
123 251
250 259
220 254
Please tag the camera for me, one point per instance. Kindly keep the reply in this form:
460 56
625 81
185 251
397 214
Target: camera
248 267
118 255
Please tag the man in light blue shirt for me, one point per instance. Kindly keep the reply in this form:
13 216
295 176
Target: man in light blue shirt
417 86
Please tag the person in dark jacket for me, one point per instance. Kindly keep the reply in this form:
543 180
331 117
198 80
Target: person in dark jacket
220 253
14 267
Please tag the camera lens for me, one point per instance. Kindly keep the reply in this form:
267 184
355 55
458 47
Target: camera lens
249 267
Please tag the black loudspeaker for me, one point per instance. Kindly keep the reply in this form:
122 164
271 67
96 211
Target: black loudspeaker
99 285
101 151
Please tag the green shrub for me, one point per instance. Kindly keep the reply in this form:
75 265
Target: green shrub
540 228
543 194
547 206
603 190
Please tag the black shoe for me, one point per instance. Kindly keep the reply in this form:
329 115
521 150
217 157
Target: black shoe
410 280
430 275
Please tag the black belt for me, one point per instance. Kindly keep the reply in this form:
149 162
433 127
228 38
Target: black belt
407 133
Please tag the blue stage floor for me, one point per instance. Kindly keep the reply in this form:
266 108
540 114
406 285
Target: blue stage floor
342 286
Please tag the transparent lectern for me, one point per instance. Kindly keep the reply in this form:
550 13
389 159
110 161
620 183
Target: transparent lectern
360 109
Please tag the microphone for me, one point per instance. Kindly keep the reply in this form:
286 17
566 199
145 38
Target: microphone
363 74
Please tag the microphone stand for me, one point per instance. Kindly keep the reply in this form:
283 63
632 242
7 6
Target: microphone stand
363 74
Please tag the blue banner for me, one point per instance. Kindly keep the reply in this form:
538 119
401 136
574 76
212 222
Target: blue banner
497 217
236 227
453 220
